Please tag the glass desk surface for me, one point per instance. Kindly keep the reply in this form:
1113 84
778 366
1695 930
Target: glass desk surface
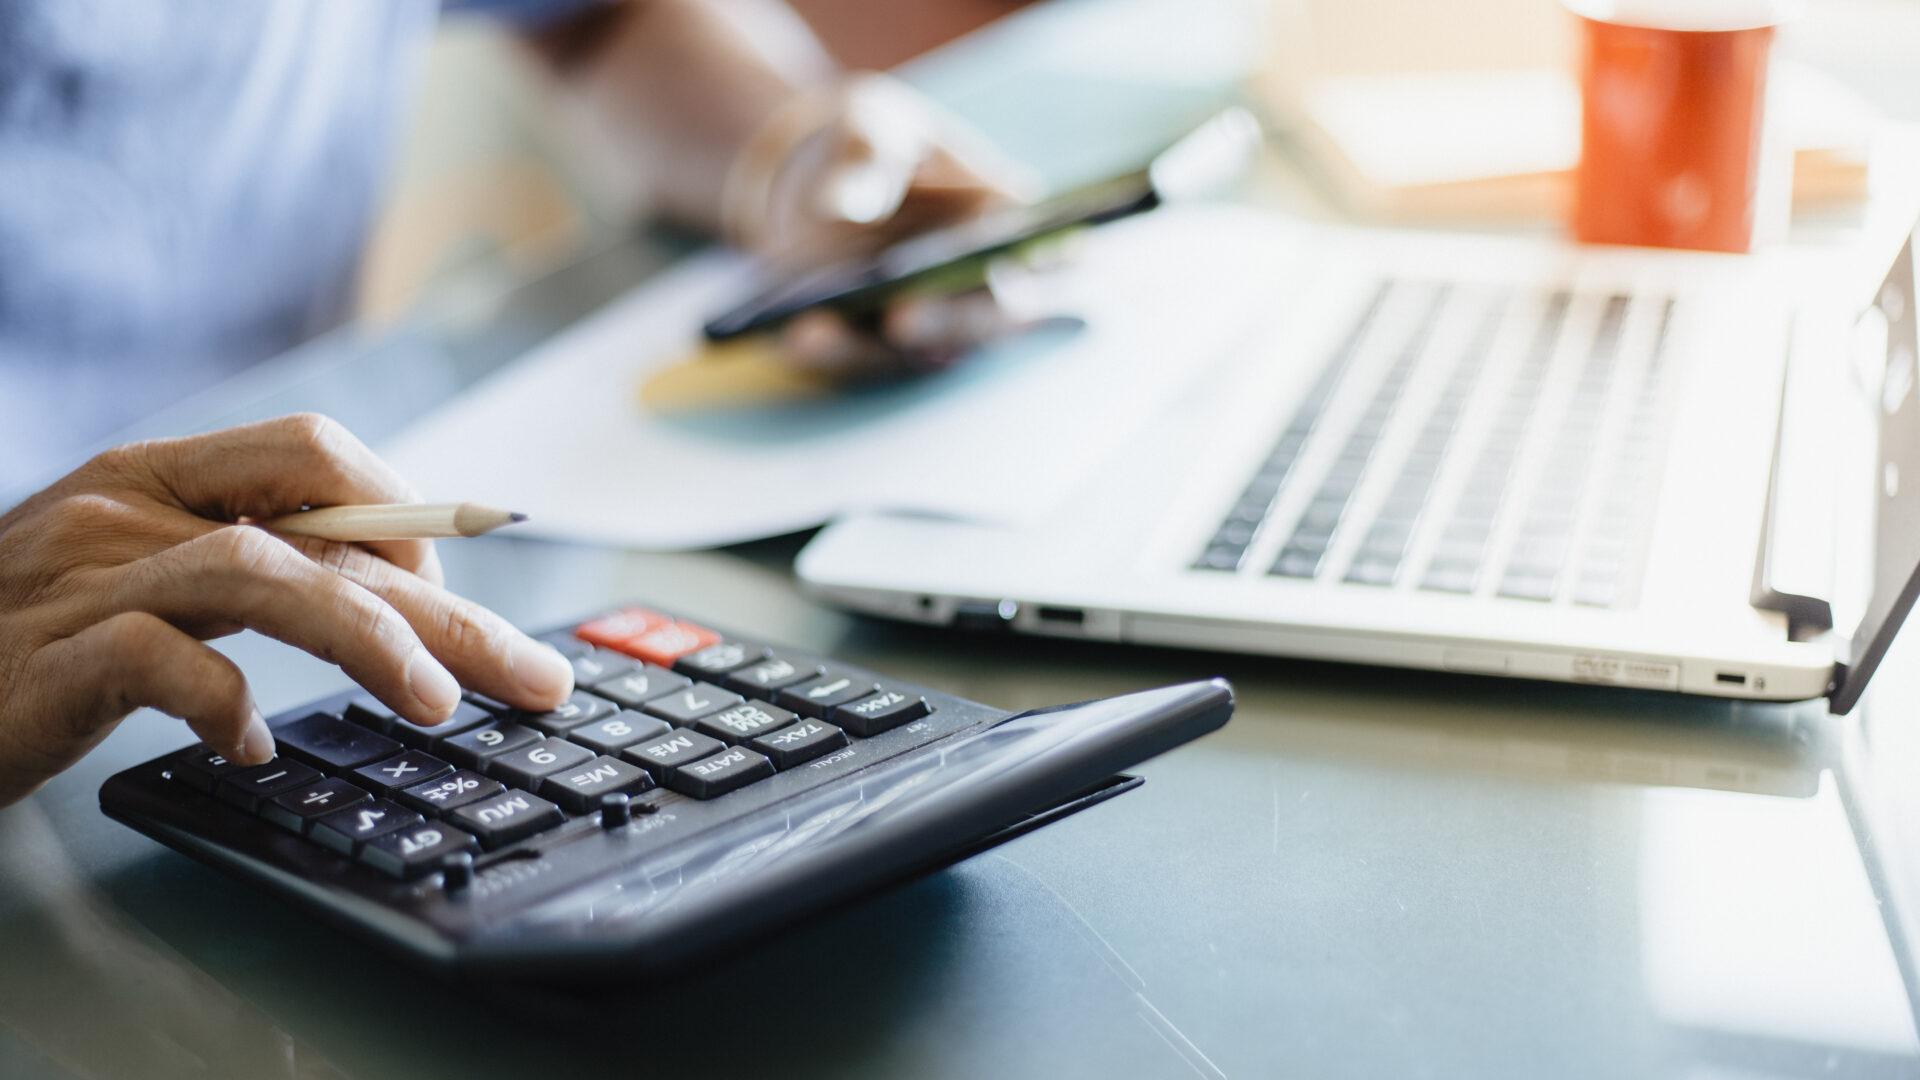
1366 873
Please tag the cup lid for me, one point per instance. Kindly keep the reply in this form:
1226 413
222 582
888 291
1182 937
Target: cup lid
1695 15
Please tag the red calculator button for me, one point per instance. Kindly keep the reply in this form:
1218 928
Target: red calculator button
663 645
616 630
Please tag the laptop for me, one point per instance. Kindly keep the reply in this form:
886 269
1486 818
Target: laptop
1506 456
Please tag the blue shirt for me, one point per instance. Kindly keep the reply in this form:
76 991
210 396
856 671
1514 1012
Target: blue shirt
185 187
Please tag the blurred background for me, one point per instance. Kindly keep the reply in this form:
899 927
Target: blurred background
490 189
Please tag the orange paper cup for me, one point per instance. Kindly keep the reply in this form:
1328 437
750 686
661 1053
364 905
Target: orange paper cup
1672 104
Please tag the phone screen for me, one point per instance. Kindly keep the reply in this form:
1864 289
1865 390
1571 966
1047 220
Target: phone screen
861 286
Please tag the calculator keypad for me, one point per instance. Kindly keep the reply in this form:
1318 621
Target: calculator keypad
661 703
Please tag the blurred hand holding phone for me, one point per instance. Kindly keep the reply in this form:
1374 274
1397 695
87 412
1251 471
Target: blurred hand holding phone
923 301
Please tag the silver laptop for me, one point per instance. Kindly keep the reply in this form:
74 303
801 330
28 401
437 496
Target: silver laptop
1510 457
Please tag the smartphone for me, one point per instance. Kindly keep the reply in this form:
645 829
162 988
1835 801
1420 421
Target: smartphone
860 287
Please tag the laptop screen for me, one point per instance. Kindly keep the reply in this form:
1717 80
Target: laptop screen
1886 345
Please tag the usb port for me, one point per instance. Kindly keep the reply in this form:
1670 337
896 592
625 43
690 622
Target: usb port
1730 678
1069 616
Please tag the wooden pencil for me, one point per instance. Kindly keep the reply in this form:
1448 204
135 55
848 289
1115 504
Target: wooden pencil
393 521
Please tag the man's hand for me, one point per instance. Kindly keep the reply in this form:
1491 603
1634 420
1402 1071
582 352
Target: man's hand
111 579
880 164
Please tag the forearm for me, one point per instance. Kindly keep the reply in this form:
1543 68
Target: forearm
680 85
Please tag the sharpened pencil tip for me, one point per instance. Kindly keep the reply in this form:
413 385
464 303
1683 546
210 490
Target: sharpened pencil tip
516 518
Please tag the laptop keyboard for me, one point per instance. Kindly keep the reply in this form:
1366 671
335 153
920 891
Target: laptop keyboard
1546 496
665 709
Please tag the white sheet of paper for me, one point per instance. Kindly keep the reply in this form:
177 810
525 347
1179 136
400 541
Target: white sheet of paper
560 436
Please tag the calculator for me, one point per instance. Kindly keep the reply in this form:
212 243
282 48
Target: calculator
697 791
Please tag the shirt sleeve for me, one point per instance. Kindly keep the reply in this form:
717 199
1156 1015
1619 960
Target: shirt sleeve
523 14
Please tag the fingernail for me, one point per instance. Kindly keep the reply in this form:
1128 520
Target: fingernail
540 670
432 684
864 194
256 743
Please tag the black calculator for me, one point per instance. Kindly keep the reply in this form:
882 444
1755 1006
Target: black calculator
698 790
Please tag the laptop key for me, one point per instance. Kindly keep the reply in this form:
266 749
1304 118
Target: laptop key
345 830
617 732
328 742
458 788
713 777
579 789
527 766
506 818
636 688
247 788
816 696
581 708
800 743
296 809
474 748
696 701
416 850
744 721
884 711
400 771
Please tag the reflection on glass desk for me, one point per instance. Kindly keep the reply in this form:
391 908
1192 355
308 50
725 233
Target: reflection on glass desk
1366 874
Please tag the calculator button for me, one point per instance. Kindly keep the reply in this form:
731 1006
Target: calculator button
473 747
526 766
295 809
491 704
579 789
817 696
345 830
744 721
246 788
579 709
600 665
612 631
466 716
636 688
884 711
774 673
416 850
457 788
503 819
664 644
566 644
202 767
617 732
686 706
719 774
366 710
678 747
800 743
328 742
716 660
400 771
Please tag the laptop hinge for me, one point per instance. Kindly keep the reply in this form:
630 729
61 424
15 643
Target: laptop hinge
1793 572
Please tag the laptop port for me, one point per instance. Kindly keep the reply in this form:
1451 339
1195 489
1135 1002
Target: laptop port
1730 678
1065 616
